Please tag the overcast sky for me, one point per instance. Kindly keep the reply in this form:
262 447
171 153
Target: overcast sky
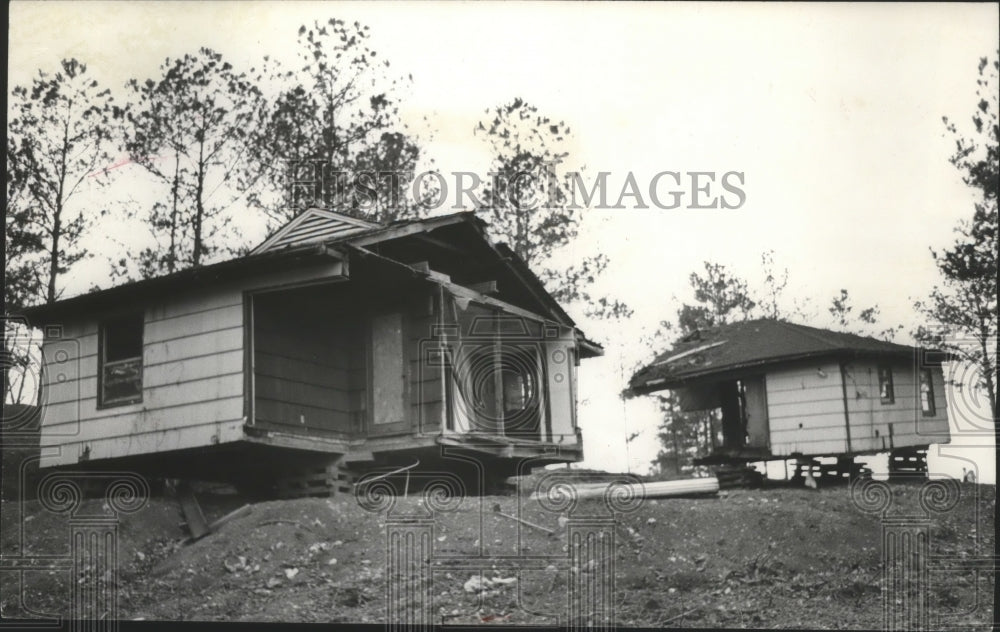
832 112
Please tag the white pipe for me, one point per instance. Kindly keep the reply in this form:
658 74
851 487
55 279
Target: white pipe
658 489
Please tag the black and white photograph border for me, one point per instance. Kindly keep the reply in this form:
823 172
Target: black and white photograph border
550 314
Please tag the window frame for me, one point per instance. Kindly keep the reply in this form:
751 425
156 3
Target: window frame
502 351
931 409
491 349
889 398
103 363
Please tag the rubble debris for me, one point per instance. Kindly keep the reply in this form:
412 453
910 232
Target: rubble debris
479 583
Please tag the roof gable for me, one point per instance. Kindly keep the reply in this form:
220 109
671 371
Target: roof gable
457 232
312 226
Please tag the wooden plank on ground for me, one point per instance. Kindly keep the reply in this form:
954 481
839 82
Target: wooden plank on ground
195 519
237 513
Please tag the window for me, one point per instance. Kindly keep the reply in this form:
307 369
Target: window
498 375
885 385
926 393
501 386
120 371
510 387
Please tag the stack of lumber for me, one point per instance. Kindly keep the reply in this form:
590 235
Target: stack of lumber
319 481
733 477
842 472
908 462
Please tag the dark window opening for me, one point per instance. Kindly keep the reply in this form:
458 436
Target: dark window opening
927 393
121 361
519 400
501 385
518 391
885 388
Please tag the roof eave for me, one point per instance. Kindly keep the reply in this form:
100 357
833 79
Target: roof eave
588 348
231 268
659 383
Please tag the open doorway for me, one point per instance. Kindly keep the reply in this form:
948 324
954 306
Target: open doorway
743 403
308 369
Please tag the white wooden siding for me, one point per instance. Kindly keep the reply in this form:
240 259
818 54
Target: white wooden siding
193 383
806 410
871 419
159 441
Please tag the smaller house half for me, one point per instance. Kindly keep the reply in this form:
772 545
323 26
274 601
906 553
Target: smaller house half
336 343
788 390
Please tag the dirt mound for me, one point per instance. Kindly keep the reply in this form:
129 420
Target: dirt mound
761 558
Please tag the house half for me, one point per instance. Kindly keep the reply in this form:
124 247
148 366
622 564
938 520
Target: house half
788 390
335 342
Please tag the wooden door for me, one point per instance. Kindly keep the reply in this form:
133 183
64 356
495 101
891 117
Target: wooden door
755 400
388 375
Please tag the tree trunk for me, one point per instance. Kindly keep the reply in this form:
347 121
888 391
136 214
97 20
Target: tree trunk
175 194
50 295
199 204
991 386
57 211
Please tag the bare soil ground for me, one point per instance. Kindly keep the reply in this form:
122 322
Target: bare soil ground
778 557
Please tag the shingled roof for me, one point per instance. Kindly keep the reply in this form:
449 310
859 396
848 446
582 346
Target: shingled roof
752 343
